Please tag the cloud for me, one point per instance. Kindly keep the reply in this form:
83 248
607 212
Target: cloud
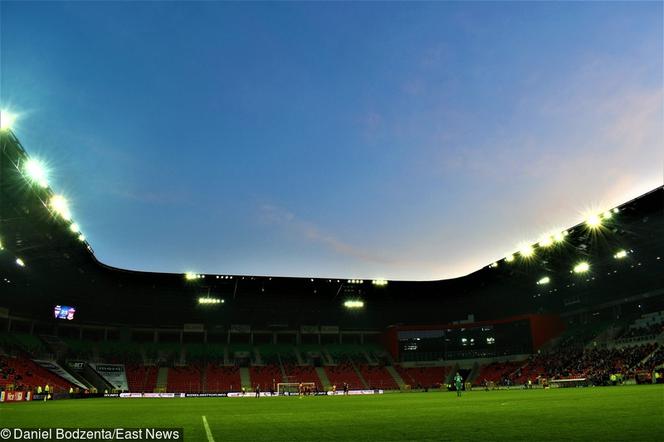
160 198
312 233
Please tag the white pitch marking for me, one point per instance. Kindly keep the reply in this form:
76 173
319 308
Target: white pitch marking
207 430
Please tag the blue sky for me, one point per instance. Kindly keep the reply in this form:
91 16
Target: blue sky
394 140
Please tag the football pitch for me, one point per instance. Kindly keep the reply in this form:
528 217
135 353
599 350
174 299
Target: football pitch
634 413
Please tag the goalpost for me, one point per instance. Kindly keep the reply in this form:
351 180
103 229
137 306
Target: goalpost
293 388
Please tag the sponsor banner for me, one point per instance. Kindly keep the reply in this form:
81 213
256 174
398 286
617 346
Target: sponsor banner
159 395
53 367
277 325
114 374
251 394
240 328
329 329
206 394
194 328
309 329
354 392
293 393
76 365
235 394
151 395
12 396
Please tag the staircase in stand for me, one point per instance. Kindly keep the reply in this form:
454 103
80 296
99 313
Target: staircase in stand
245 378
397 377
324 380
162 379
359 375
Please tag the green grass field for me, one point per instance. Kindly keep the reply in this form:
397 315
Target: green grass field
633 413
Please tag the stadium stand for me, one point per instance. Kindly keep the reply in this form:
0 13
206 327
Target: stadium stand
344 373
19 373
141 378
267 377
185 379
221 378
378 377
423 377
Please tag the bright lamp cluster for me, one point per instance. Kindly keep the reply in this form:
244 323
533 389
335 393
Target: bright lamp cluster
208 300
191 276
7 120
595 220
527 250
36 173
354 304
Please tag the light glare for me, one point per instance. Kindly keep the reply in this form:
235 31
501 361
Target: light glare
581 267
190 276
208 300
546 241
7 120
593 221
354 304
36 172
60 206
544 280
526 250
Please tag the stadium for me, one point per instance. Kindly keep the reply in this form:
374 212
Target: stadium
561 339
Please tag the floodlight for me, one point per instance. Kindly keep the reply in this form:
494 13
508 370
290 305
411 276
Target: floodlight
509 258
581 267
20 262
620 254
208 300
544 280
190 276
60 206
546 241
36 172
607 214
74 228
526 250
559 237
7 120
353 304
81 237
379 282
593 221
615 210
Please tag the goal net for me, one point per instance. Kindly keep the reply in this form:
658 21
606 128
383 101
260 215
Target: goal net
293 388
